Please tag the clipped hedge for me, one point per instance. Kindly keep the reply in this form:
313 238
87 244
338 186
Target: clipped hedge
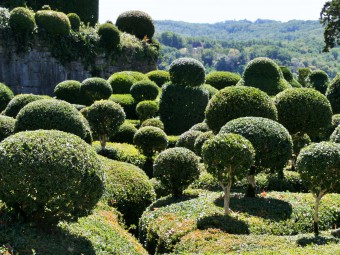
333 94
200 140
124 134
288 75
69 91
127 102
318 80
147 109
121 82
153 122
95 89
187 139
335 137
144 90
109 36
7 125
221 79
203 127
6 95
159 77
74 21
211 90
187 72
53 22
21 20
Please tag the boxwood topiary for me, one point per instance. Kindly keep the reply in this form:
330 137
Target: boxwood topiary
211 90
200 140
6 95
176 168
187 72
318 80
187 139
51 114
222 79
124 134
21 20
234 102
121 82
203 127
172 140
333 94
95 89
288 75
109 36
153 122
6 126
144 90
127 102
137 23
69 91
160 77
52 22
74 21
147 109
335 137
61 180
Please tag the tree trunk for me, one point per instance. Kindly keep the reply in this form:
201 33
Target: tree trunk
280 174
103 141
251 186
226 190
316 212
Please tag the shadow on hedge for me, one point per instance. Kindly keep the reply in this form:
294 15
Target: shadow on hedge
316 240
172 200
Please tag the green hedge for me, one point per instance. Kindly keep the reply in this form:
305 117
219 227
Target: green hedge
160 77
6 95
333 94
69 91
187 72
22 21
52 22
221 79
127 102
7 125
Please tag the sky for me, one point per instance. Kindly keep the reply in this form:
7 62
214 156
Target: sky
212 11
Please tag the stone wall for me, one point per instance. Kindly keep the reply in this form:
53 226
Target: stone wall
38 72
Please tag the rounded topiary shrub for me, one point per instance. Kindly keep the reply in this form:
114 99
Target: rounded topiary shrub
18 102
74 21
51 114
203 127
176 168
7 125
137 23
121 82
69 91
127 102
159 77
211 90
333 94
124 134
318 80
238 101
187 139
300 141
6 95
187 72
61 180
144 90
21 20
147 109
200 140
153 122
95 89
52 22
221 79
288 75
265 74
335 137
109 36
303 110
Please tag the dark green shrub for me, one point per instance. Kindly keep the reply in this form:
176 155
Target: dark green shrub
181 107
95 89
105 117
74 21
200 140
6 127
121 82
153 122
6 95
137 23
21 20
265 74
69 91
160 190
238 101
300 141
127 102
51 114
18 102
128 189
159 77
211 90
288 75
221 79
172 140
187 139
319 167
138 76
333 94
303 74
335 120
203 127
147 109
176 168
335 137
58 182
187 72
144 90
88 133
109 36
303 110
52 22
318 80
124 134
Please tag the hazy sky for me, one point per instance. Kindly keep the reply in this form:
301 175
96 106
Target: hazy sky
211 11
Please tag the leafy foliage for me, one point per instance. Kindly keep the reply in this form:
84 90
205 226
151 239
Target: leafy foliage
187 139
153 122
160 77
18 102
95 89
124 134
69 91
333 94
6 95
52 22
200 140
329 19
335 137
21 20
144 90
6 127
221 79
109 36
187 72
147 109
318 80
74 21
127 102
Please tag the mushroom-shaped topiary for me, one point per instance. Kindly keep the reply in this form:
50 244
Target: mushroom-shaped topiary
109 36
288 75
319 167
335 137
124 134
137 23
105 117
228 157
7 125
176 168
221 79
200 140
74 21
69 91
147 109
144 90
187 139
6 95
265 74
272 142
52 22
187 72
21 20
235 102
318 80
154 122
61 180
95 89
160 77
333 94
303 110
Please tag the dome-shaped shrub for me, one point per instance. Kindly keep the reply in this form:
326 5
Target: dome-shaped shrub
18 102
335 137
160 77
137 23
187 72
109 36
153 122
203 127
333 94
52 22
124 134
147 109
300 141
303 110
187 139
6 95
176 168
288 75
138 76
6 127
74 21
69 91
61 178
144 90
200 140
50 114
128 189
265 74
238 101
95 89
221 79
121 82
318 80
127 102
211 90
21 20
